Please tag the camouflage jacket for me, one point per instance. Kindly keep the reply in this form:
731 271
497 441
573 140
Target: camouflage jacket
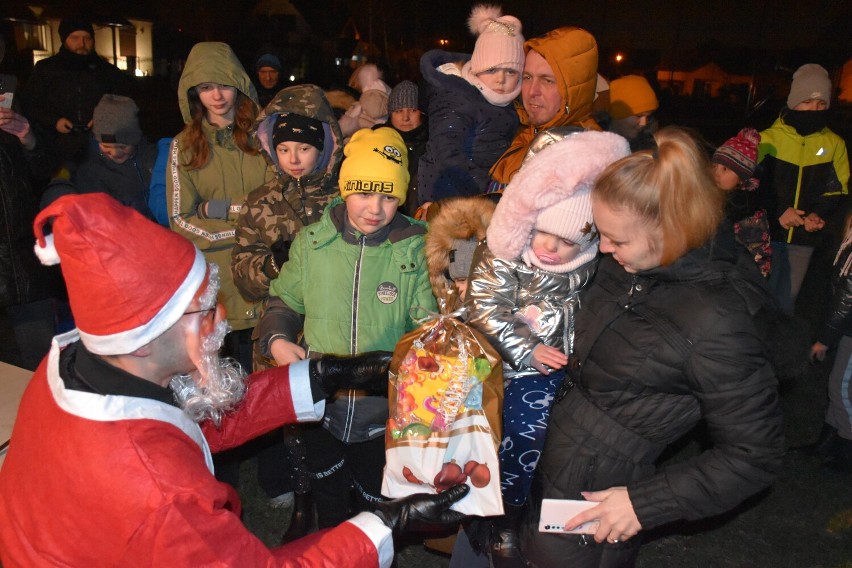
274 212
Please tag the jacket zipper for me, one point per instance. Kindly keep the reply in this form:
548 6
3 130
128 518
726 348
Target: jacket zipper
353 334
633 288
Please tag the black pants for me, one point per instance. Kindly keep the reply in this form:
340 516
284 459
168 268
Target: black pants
274 467
336 467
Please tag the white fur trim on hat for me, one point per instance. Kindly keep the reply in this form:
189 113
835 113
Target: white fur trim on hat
132 339
553 175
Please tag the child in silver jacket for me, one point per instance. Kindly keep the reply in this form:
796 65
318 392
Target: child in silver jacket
541 250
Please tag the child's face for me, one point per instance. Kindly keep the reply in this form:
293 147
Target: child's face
297 158
118 153
406 119
370 212
550 249
461 284
218 101
500 79
725 178
811 104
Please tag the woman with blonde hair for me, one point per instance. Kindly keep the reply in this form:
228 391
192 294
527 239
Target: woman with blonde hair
669 335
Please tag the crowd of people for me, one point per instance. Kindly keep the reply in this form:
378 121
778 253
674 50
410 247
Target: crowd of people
253 271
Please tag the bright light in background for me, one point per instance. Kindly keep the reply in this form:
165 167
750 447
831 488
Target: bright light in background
444 42
619 58
292 78
138 73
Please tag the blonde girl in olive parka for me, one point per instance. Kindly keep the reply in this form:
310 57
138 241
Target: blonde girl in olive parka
212 164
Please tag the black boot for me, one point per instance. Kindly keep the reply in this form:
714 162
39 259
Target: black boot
824 446
505 538
841 460
304 521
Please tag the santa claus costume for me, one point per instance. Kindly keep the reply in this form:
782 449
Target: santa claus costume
104 468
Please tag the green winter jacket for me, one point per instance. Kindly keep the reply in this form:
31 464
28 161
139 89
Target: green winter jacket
275 212
810 173
354 298
229 175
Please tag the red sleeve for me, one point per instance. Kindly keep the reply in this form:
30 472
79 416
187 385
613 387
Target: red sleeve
274 397
189 534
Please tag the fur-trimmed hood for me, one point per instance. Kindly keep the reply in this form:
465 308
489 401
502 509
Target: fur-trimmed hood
459 218
565 169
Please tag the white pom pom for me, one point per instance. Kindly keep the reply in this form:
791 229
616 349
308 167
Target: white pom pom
481 16
48 254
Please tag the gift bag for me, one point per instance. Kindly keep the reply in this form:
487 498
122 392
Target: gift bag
445 398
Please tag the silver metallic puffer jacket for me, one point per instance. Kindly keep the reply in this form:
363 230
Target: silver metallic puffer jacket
518 306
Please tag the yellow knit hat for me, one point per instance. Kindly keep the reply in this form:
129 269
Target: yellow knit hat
631 95
376 161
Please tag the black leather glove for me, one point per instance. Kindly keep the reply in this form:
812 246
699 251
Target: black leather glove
422 511
367 371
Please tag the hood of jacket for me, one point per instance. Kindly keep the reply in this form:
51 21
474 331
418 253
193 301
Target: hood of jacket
563 170
304 100
458 218
212 62
431 60
572 53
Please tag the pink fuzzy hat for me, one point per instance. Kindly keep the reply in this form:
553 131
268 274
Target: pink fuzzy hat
552 193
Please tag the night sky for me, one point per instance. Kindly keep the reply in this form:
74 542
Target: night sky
819 26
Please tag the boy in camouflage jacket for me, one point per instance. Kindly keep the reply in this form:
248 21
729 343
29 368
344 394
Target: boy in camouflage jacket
274 212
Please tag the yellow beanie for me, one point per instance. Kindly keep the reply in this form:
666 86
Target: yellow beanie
376 161
631 95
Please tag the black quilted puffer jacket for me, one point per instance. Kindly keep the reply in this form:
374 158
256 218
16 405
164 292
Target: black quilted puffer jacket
22 277
660 351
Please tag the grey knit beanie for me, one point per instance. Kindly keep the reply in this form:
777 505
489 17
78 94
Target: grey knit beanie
404 95
461 257
810 81
115 121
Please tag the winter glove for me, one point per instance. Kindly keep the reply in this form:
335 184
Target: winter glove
280 252
422 511
367 371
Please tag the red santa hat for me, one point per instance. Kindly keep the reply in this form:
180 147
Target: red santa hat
129 279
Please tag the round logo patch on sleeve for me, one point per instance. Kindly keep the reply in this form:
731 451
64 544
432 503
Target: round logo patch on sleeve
387 292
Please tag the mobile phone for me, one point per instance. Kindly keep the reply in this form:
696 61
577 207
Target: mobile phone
556 512
8 84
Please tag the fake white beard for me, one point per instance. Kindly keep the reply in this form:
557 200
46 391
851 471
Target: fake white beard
224 382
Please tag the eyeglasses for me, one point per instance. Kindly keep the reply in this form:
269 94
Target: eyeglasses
207 313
